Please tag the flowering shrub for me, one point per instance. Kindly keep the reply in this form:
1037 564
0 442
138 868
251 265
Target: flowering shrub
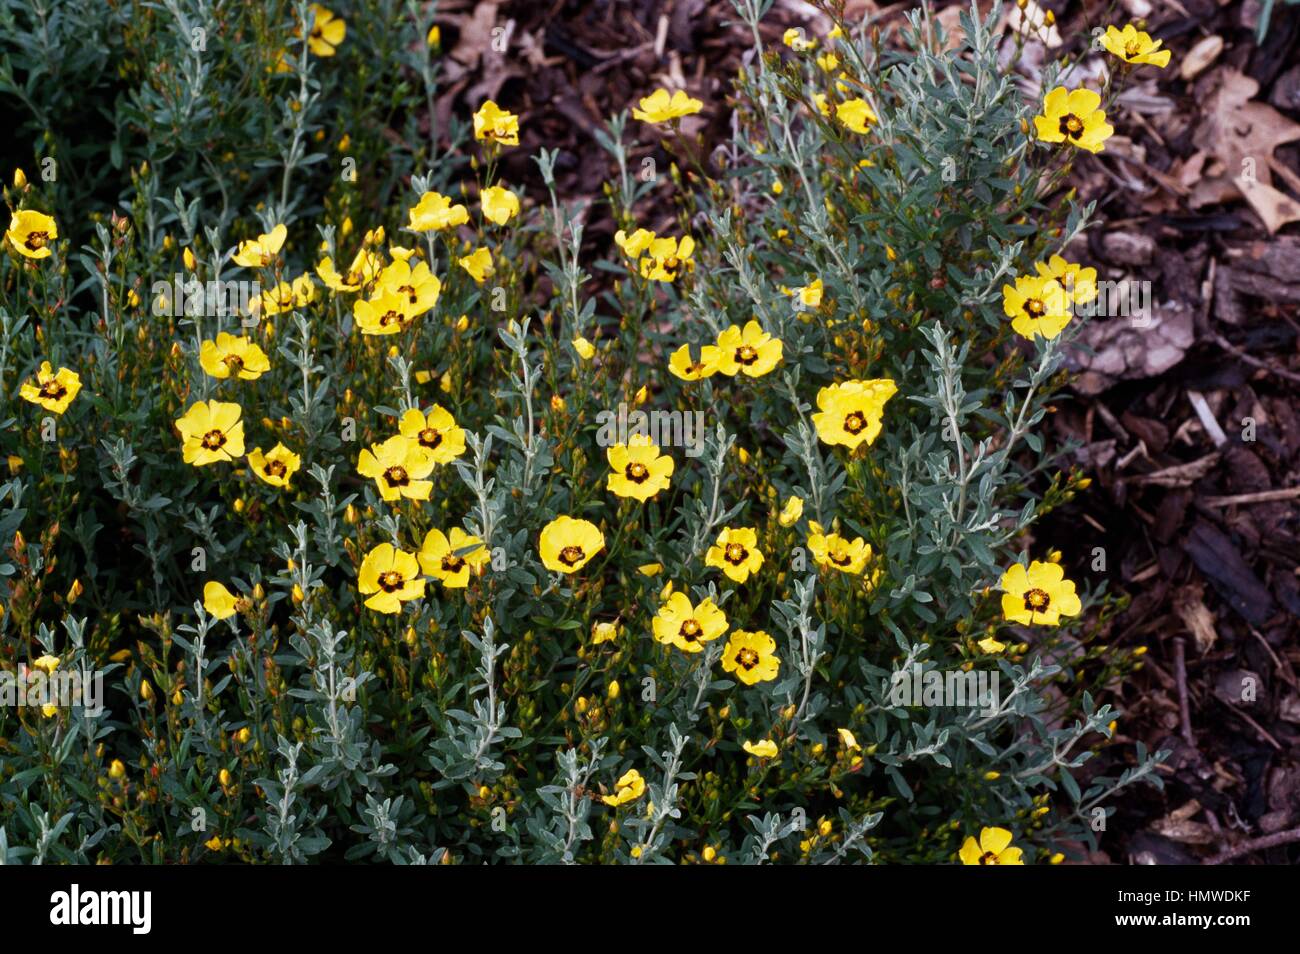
388 549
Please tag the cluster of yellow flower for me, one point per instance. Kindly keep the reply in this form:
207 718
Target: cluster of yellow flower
657 259
750 351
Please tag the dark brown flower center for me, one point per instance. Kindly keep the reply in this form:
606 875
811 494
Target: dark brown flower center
747 658
275 468
1071 125
397 476
690 631
1036 601
234 362
36 240
390 581
571 556
637 472
52 389
1034 308
988 858
452 564
838 557
214 439
746 355
855 422
430 438
390 318
735 553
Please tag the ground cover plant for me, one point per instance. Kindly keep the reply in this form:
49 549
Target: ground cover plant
402 527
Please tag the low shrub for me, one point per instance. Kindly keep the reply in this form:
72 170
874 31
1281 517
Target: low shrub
441 537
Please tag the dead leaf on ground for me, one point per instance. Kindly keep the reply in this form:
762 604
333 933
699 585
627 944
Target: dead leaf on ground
1240 136
1189 605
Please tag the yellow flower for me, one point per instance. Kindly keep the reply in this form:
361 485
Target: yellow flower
752 352
850 413
751 656
1133 46
810 295
52 390
494 124
365 266
794 38
584 348
763 748
991 646
791 512
855 114
604 632
687 626
833 550
434 37
211 431
736 553
1075 117
219 601
450 557
384 314
327 31
304 290
1040 595
276 468
628 789
479 264
666 256
392 575
398 466
277 300
499 205
567 545
47 664
228 355
681 365
261 251
993 848
117 769
1079 284
637 469
660 107
1036 306
419 285
828 61
650 569
435 211
636 244
435 432
848 740
31 232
